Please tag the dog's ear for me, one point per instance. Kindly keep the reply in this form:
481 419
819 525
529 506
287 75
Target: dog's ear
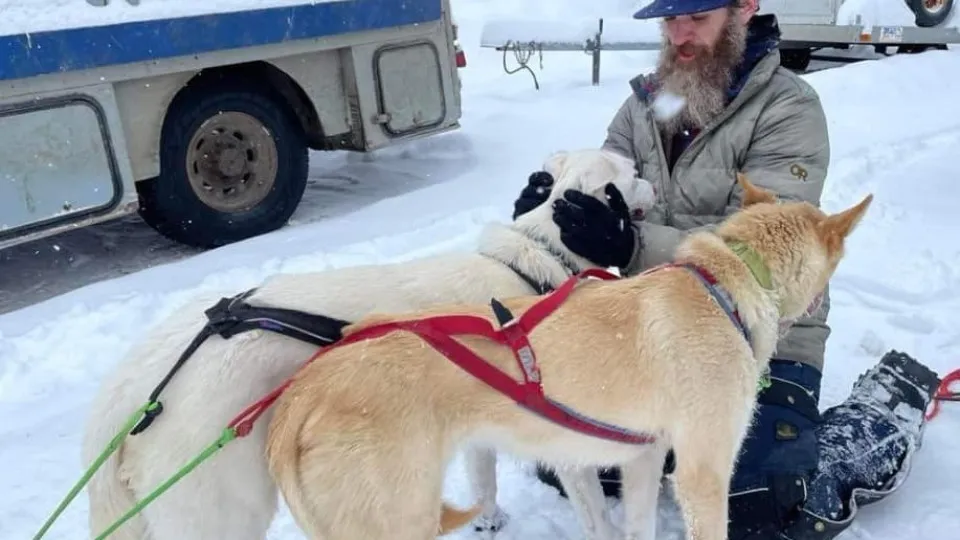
595 179
555 163
753 194
835 228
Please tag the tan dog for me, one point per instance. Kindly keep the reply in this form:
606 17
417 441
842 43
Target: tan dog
360 440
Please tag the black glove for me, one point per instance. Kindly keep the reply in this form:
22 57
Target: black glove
534 193
604 235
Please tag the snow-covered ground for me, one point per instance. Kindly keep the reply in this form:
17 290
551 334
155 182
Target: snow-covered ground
892 133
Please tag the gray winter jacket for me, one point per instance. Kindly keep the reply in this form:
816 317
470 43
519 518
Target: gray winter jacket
774 131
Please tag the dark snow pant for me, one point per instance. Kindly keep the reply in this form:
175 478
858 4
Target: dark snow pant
801 475
779 454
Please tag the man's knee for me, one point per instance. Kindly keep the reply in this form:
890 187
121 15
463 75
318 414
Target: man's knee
779 454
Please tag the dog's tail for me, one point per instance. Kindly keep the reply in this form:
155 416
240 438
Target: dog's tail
109 497
452 519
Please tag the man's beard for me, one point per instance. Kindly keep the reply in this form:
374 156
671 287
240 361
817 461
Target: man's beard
704 81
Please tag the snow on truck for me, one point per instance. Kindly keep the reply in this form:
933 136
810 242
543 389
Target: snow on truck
201 121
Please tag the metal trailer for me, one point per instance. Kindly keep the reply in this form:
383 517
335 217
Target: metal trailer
806 26
811 25
202 124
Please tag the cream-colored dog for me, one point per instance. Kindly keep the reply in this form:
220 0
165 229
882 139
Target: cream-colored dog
360 440
231 495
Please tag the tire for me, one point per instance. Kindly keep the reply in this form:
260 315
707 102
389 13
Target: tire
929 13
233 165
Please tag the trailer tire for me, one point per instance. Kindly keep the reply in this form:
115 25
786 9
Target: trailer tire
233 165
934 15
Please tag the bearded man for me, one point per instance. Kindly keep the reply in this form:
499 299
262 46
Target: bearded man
742 112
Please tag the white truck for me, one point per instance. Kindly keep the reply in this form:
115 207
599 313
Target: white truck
201 121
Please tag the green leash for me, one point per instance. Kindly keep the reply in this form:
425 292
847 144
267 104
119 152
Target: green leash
228 435
112 447
225 437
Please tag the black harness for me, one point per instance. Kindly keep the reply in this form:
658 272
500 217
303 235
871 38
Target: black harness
541 287
232 316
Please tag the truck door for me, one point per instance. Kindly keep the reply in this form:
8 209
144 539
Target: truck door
409 87
56 164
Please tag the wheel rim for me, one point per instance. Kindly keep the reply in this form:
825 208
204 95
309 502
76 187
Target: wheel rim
232 162
933 6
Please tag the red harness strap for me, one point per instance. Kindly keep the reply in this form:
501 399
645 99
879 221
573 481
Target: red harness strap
439 332
944 393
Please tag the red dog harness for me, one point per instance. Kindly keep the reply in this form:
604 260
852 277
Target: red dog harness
439 331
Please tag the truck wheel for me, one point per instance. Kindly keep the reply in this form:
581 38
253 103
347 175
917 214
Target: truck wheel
930 12
233 164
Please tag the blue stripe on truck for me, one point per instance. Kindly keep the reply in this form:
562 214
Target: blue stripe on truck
27 55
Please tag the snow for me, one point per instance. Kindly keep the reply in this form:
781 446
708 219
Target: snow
532 29
897 288
29 16
667 105
572 31
630 30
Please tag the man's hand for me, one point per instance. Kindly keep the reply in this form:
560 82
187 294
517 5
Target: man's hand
534 193
602 234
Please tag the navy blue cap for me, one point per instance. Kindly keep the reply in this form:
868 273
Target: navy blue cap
672 8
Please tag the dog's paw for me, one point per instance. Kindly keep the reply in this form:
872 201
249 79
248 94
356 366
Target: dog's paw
490 524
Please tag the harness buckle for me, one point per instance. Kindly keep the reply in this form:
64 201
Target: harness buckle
516 338
221 317
528 362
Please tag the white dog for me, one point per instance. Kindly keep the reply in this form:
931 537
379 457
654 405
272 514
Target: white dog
232 495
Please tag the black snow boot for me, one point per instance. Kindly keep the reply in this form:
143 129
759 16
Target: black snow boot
866 445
